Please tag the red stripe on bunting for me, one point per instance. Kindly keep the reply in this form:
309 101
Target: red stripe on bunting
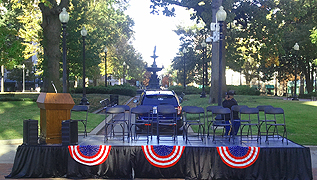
238 162
163 161
96 159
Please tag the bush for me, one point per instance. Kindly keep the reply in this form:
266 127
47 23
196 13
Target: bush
189 90
244 90
124 89
307 96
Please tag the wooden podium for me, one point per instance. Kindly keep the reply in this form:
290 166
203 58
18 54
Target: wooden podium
54 108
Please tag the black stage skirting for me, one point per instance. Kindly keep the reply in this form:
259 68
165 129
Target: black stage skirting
195 163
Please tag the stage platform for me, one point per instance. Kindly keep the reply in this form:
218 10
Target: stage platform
196 159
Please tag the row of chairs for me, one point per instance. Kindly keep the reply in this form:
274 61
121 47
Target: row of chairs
145 120
217 118
254 122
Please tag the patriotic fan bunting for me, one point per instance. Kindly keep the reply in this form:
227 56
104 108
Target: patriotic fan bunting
163 156
89 155
237 156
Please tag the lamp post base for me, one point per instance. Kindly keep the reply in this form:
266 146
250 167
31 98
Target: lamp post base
295 98
84 101
203 94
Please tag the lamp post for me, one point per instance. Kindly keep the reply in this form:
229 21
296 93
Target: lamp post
106 78
124 65
203 45
184 52
221 17
64 17
23 76
296 48
84 100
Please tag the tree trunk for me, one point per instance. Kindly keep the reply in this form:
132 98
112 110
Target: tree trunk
51 42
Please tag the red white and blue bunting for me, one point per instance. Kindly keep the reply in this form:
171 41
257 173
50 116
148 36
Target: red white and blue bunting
163 156
90 155
237 156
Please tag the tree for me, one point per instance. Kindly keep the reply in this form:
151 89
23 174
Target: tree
11 47
299 19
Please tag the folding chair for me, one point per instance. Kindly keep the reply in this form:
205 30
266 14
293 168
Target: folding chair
197 121
235 117
166 119
117 117
275 117
249 117
143 121
80 108
219 117
208 115
262 118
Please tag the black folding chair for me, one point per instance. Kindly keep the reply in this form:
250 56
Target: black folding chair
219 117
196 121
143 121
166 121
262 118
117 118
235 117
277 117
80 108
209 117
249 117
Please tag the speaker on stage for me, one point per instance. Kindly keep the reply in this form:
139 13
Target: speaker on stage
30 132
69 132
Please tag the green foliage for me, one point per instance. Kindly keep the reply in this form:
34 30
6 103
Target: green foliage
194 57
107 26
313 36
11 47
244 90
189 90
116 89
308 96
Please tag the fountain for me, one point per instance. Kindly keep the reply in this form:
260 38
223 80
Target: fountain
154 81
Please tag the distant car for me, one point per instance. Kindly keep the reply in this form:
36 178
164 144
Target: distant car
155 98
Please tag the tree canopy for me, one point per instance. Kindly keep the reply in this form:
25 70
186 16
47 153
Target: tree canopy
33 27
260 34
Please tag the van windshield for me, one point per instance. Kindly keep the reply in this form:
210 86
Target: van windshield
159 100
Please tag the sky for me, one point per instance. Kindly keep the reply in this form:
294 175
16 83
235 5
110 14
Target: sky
156 30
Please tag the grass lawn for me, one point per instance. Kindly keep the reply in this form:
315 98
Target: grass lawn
12 113
301 116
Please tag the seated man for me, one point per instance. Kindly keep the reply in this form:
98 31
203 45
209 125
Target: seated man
228 103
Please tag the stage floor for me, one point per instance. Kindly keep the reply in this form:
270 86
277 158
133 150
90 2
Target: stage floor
193 141
196 159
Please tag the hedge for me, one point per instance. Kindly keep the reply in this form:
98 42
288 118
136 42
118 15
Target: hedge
116 89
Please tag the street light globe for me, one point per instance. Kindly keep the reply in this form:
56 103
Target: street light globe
83 32
203 44
296 47
221 14
105 50
184 50
208 40
64 16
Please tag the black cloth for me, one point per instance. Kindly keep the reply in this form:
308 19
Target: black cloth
196 163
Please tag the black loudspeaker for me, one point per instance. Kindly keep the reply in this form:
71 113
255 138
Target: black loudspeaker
114 99
69 132
30 132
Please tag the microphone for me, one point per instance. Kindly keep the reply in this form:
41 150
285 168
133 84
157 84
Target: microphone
54 86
